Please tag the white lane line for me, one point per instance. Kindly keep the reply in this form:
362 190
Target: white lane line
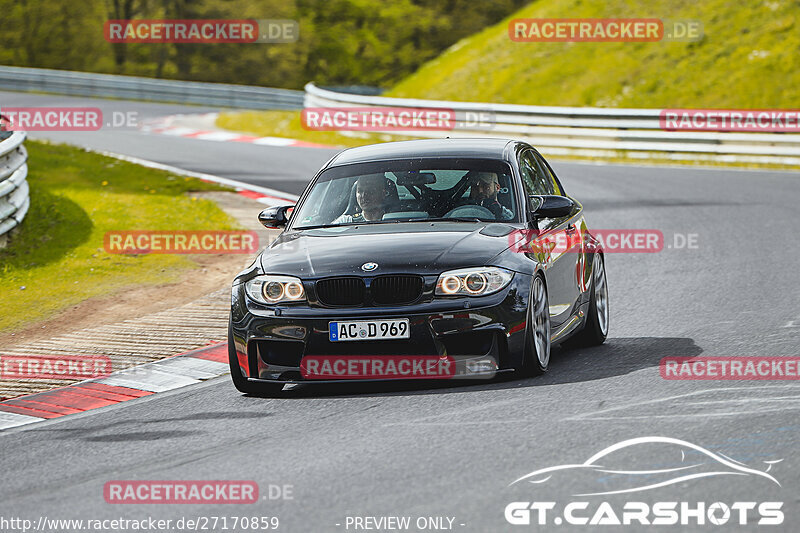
274 141
706 415
178 131
10 420
201 175
217 136
674 404
777 399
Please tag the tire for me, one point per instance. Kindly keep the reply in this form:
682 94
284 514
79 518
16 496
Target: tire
240 382
536 358
595 329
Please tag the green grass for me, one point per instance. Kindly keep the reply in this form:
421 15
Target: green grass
57 253
748 58
287 124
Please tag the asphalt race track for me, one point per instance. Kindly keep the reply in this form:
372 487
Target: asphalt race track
453 450
281 169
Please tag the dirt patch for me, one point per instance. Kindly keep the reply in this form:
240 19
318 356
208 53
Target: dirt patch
214 272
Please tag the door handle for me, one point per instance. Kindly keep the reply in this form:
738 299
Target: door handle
573 236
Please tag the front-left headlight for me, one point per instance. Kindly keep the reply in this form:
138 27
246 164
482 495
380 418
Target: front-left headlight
269 289
473 281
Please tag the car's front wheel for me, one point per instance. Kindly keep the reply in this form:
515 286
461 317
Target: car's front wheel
536 358
240 381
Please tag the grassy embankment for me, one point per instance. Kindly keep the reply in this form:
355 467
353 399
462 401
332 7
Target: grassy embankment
56 258
747 58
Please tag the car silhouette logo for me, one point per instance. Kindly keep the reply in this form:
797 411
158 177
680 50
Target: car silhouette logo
369 267
695 463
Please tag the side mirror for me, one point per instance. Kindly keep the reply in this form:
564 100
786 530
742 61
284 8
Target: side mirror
274 217
551 206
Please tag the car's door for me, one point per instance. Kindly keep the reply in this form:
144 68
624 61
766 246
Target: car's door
559 240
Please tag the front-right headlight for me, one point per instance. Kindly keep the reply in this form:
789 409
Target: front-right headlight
478 281
269 289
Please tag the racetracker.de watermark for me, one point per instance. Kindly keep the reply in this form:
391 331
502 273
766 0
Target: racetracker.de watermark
730 368
366 367
377 367
64 119
609 30
762 120
645 241
180 492
137 242
201 31
394 119
49 367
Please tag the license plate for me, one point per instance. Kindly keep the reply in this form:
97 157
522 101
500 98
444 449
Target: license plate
369 330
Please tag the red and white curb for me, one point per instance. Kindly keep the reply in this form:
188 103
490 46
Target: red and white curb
166 126
264 195
159 376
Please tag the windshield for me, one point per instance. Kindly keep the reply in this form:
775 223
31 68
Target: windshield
416 190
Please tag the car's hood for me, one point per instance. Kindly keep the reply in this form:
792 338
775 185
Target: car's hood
425 248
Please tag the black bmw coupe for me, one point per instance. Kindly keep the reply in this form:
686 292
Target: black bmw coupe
451 258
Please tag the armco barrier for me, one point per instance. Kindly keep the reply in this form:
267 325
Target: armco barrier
151 89
586 131
14 199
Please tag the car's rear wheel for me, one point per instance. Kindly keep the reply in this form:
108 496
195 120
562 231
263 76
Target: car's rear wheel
536 358
240 382
595 330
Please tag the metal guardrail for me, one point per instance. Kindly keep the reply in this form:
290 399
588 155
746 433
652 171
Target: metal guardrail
14 198
156 90
585 131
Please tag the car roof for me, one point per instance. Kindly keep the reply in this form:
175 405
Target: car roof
490 148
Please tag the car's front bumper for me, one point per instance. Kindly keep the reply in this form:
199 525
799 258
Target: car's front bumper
271 342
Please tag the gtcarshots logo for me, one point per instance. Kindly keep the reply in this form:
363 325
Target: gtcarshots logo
643 513
614 471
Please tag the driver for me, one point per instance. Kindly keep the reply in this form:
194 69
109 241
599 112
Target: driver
371 195
483 192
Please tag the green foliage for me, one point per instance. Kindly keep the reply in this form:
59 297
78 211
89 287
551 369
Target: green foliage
748 58
342 42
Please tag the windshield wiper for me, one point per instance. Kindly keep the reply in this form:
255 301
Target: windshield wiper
343 224
394 221
447 219
318 226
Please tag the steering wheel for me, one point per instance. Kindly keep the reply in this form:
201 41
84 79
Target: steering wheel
477 211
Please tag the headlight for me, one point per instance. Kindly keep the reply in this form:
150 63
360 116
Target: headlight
473 281
275 289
